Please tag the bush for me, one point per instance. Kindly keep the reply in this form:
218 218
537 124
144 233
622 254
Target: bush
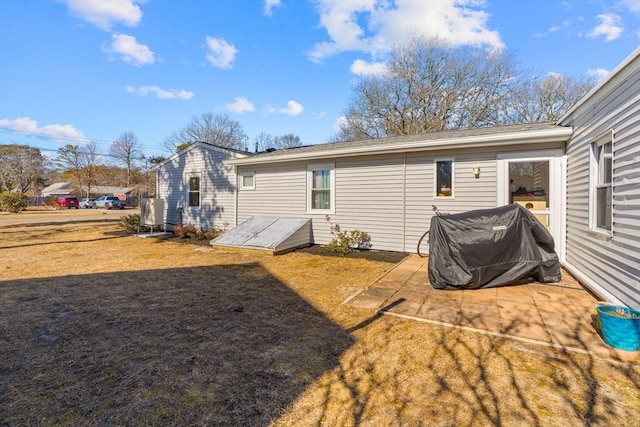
191 232
13 202
131 224
345 241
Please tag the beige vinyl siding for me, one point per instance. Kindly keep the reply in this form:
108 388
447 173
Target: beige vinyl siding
370 197
217 186
610 263
469 192
280 190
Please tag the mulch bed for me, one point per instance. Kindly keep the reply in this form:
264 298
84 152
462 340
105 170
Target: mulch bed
371 255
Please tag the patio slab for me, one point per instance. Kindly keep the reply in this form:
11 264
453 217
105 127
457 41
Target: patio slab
559 315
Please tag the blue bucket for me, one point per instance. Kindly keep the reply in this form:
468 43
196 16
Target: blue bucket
620 326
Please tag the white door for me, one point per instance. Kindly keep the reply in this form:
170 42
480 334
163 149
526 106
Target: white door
534 180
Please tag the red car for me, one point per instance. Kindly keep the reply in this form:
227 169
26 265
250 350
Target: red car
66 202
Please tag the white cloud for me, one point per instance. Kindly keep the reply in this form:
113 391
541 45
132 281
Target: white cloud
365 68
610 27
105 13
240 105
631 5
565 24
269 5
338 124
293 108
160 93
598 73
26 126
129 50
374 26
220 53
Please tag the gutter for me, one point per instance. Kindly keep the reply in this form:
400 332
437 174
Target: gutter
560 134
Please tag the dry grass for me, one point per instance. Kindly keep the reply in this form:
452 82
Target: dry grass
99 328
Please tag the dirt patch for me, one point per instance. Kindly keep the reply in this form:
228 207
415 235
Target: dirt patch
98 328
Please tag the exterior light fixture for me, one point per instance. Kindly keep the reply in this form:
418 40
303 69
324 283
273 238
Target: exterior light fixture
476 172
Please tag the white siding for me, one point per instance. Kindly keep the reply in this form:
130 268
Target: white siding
609 264
217 186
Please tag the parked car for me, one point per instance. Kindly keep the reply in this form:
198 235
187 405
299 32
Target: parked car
66 202
108 202
88 203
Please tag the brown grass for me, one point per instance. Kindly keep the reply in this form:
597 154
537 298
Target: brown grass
100 328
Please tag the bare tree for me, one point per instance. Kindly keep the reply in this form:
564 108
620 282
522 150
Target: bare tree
264 141
430 86
216 129
127 151
288 141
544 99
22 168
82 162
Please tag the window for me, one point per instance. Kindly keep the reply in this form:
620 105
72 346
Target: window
602 184
194 191
247 181
444 178
320 188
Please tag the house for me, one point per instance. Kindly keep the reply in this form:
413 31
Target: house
389 186
602 230
60 189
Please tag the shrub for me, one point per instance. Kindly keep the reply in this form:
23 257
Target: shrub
13 202
131 224
191 232
344 242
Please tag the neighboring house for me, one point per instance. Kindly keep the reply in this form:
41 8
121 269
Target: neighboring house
388 186
60 189
603 186
198 186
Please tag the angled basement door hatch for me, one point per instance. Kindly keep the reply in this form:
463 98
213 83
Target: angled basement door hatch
267 234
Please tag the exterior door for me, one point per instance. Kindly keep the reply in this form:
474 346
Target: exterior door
534 181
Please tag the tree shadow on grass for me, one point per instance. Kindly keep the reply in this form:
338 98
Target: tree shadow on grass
218 345
435 375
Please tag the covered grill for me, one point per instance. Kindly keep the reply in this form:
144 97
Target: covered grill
490 247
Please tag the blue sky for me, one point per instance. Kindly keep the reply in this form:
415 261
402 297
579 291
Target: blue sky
73 71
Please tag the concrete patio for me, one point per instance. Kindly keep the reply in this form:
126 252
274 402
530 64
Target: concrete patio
559 315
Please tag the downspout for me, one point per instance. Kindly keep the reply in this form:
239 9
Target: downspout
235 197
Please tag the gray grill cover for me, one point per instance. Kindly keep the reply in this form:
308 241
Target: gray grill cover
490 247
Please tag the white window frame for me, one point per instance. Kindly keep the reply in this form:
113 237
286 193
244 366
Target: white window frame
188 190
241 177
435 177
332 187
594 174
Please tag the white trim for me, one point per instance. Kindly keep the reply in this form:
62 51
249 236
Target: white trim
559 134
435 178
556 159
612 74
188 177
593 286
241 176
331 167
594 172
231 152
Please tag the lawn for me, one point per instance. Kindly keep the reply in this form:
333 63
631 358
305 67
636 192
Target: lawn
101 328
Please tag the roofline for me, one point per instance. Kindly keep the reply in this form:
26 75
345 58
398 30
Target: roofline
560 134
625 62
233 152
